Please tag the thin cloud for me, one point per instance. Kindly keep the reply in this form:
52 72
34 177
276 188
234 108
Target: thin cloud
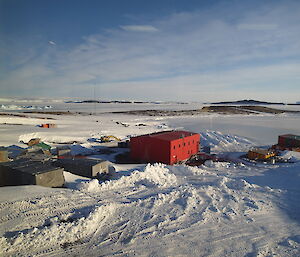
139 28
200 56
257 26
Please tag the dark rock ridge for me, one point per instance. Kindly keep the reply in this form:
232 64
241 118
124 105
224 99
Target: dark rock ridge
221 109
121 102
250 102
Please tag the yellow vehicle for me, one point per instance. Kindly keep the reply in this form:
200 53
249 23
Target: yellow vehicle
260 154
109 138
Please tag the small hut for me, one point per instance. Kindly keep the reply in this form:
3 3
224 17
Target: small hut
84 167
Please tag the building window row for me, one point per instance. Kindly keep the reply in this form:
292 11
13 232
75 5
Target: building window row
184 144
188 152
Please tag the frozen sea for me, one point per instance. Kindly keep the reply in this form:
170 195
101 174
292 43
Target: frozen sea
232 208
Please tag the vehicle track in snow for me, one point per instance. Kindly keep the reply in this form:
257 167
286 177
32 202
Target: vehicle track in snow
35 210
113 222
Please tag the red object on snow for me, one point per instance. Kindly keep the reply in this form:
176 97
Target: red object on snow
167 147
48 125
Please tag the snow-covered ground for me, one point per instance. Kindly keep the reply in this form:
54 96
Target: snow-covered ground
218 209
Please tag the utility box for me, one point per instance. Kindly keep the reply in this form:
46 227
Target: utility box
167 147
29 172
84 167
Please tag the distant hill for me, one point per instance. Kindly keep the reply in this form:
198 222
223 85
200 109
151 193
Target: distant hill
249 102
298 103
123 102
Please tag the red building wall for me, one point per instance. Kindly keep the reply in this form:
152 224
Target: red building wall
184 148
149 149
166 147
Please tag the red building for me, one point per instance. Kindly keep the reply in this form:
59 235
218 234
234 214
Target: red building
168 147
289 141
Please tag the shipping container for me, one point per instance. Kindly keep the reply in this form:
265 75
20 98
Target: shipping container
289 140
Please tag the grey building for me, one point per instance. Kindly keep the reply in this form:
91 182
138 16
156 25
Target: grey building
29 172
85 167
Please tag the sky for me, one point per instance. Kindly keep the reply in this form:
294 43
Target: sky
168 50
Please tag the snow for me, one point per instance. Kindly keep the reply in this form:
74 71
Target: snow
153 176
232 208
292 156
262 129
205 210
220 142
24 107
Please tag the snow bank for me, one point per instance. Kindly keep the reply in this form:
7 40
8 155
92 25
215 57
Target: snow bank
60 230
50 138
222 142
89 186
157 175
291 155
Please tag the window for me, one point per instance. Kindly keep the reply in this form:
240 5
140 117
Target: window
183 144
179 145
174 147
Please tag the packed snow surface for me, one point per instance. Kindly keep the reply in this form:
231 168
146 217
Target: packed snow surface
230 208
223 209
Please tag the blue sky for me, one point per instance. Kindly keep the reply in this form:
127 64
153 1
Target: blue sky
151 50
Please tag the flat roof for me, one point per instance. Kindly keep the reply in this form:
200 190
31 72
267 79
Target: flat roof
170 135
30 166
80 162
291 136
